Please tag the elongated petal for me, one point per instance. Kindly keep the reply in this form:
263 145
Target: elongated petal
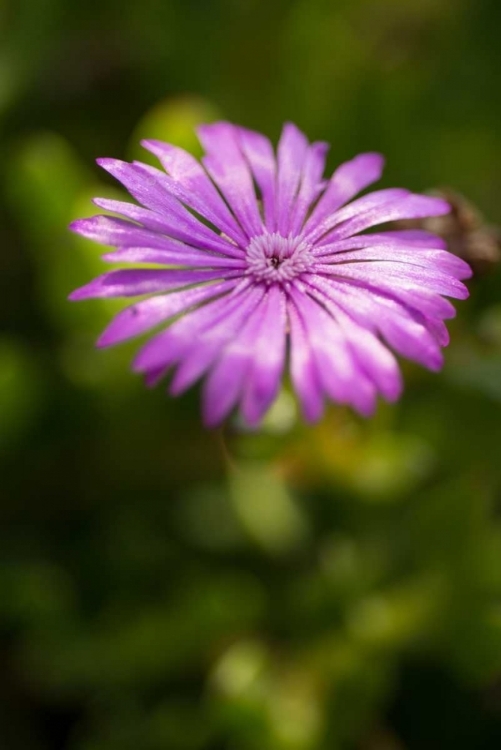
136 282
224 383
407 207
263 382
202 352
191 184
341 379
142 316
169 346
259 153
372 356
292 149
400 274
229 170
423 258
311 184
389 240
187 256
405 330
359 207
303 370
148 186
348 180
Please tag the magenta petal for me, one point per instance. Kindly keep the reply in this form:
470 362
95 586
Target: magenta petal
399 274
263 382
184 334
372 356
408 207
190 183
292 149
440 260
311 184
200 354
225 381
358 207
341 379
303 369
187 256
348 180
229 170
150 187
135 282
259 153
406 330
148 313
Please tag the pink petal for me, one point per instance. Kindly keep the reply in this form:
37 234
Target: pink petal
229 170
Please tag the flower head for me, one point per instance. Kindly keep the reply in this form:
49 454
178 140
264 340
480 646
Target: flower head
265 265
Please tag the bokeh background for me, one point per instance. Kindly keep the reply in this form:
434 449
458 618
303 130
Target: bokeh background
163 587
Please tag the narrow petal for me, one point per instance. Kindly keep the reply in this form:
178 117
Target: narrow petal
358 207
311 184
144 315
225 381
190 183
341 378
170 345
408 207
441 260
372 356
261 158
405 329
291 154
303 369
136 282
348 180
148 186
229 170
263 382
186 256
409 239
403 275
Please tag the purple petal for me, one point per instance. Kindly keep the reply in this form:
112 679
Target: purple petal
367 203
199 355
148 186
400 274
311 184
340 377
186 256
431 259
372 356
148 313
291 155
348 180
408 239
405 330
259 153
263 382
229 170
303 369
409 207
169 346
225 381
135 282
190 183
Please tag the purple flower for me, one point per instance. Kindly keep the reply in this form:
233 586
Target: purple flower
268 266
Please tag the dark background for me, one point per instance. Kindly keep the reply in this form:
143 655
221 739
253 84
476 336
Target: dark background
165 587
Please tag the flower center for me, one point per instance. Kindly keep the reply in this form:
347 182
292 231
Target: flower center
273 258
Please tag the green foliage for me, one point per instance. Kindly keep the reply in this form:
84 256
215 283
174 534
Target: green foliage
167 588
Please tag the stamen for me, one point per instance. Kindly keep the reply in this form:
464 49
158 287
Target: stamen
273 258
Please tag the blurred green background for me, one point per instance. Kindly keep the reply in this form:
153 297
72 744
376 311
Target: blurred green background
167 588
